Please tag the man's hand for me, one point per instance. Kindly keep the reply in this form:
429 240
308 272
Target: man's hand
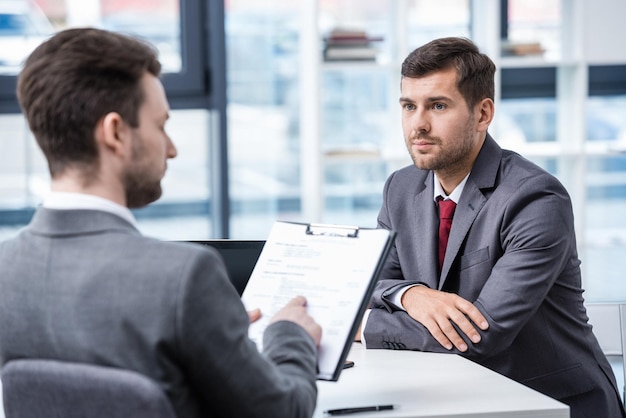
437 311
295 311
357 336
254 315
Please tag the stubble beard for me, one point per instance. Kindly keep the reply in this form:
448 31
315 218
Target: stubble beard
446 158
140 192
142 186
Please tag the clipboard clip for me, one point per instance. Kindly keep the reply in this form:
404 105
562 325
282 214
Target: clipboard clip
345 231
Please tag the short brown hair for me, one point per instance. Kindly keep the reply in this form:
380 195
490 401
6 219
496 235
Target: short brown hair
475 70
74 79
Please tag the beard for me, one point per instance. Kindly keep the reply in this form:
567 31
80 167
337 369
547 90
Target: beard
449 153
141 183
139 191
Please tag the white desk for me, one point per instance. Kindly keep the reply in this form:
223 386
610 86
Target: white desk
430 385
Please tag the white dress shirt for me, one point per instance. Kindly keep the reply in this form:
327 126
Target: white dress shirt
74 201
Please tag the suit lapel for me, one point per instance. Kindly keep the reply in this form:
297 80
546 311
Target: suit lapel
466 211
425 226
483 176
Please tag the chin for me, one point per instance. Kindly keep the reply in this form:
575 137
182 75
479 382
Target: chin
142 198
422 163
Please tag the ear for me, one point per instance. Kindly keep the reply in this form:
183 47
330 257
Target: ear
113 134
485 111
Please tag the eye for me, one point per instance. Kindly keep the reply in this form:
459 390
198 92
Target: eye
408 106
439 106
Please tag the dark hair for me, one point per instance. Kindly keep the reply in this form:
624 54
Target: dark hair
75 78
475 70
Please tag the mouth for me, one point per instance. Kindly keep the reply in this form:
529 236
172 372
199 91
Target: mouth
421 145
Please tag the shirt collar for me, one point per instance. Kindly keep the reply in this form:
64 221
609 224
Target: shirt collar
455 196
75 201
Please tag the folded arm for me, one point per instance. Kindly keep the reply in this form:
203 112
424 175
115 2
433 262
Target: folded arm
533 235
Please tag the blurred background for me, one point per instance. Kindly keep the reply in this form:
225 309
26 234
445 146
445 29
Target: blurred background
289 110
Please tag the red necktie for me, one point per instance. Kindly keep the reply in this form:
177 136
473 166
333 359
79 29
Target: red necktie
446 212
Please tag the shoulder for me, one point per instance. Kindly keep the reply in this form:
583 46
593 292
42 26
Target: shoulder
178 248
521 172
172 264
163 250
525 191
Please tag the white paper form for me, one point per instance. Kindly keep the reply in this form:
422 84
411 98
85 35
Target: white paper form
335 273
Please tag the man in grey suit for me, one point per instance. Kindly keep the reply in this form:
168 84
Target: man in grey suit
81 284
508 291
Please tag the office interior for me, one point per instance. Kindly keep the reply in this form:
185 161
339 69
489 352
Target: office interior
273 122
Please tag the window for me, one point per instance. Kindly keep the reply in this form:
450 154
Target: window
590 161
189 37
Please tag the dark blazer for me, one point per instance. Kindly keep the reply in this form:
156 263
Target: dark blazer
86 286
512 252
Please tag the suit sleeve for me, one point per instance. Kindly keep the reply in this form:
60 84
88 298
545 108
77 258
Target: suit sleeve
534 231
233 378
391 277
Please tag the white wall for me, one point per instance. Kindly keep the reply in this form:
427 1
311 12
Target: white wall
604 37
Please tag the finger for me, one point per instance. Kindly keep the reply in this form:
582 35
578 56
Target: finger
452 335
254 315
465 326
478 318
438 334
473 313
297 301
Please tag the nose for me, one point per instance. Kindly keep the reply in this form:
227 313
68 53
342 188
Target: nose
172 152
420 121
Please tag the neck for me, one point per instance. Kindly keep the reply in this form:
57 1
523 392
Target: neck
74 184
449 183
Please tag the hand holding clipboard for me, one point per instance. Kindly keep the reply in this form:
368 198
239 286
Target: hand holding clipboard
335 267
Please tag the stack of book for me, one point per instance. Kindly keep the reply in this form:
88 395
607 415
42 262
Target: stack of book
521 48
350 45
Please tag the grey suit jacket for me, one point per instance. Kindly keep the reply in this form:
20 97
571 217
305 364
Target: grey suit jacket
85 286
512 252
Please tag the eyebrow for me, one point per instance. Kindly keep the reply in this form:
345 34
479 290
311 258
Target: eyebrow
439 99
429 100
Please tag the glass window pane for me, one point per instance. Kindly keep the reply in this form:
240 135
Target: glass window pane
157 21
25 24
263 142
605 228
181 213
355 131
534 27
428 20
522 121
604 242
24 177
606 121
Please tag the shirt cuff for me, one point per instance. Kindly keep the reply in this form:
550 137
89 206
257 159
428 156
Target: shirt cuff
363 324
395 297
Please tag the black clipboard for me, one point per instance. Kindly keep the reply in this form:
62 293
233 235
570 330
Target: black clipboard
335 267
